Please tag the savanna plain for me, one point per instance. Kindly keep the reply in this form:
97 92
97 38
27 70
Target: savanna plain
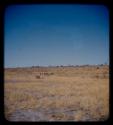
59 93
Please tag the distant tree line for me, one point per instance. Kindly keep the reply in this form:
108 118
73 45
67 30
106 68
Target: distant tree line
70 65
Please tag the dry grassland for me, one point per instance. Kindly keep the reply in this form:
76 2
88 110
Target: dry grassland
57 94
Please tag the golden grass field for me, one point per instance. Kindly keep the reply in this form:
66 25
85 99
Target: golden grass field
57 93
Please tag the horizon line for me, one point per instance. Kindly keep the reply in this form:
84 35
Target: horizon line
38 66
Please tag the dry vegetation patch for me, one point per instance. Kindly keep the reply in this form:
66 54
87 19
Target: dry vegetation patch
66 93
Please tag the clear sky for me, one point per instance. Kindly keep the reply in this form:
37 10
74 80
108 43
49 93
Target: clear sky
56 35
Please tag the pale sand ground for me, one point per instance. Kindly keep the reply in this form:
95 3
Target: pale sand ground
70 93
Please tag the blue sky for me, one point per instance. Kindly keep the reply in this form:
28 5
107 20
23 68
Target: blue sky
56 35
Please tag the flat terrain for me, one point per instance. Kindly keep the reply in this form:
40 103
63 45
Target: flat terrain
78 93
